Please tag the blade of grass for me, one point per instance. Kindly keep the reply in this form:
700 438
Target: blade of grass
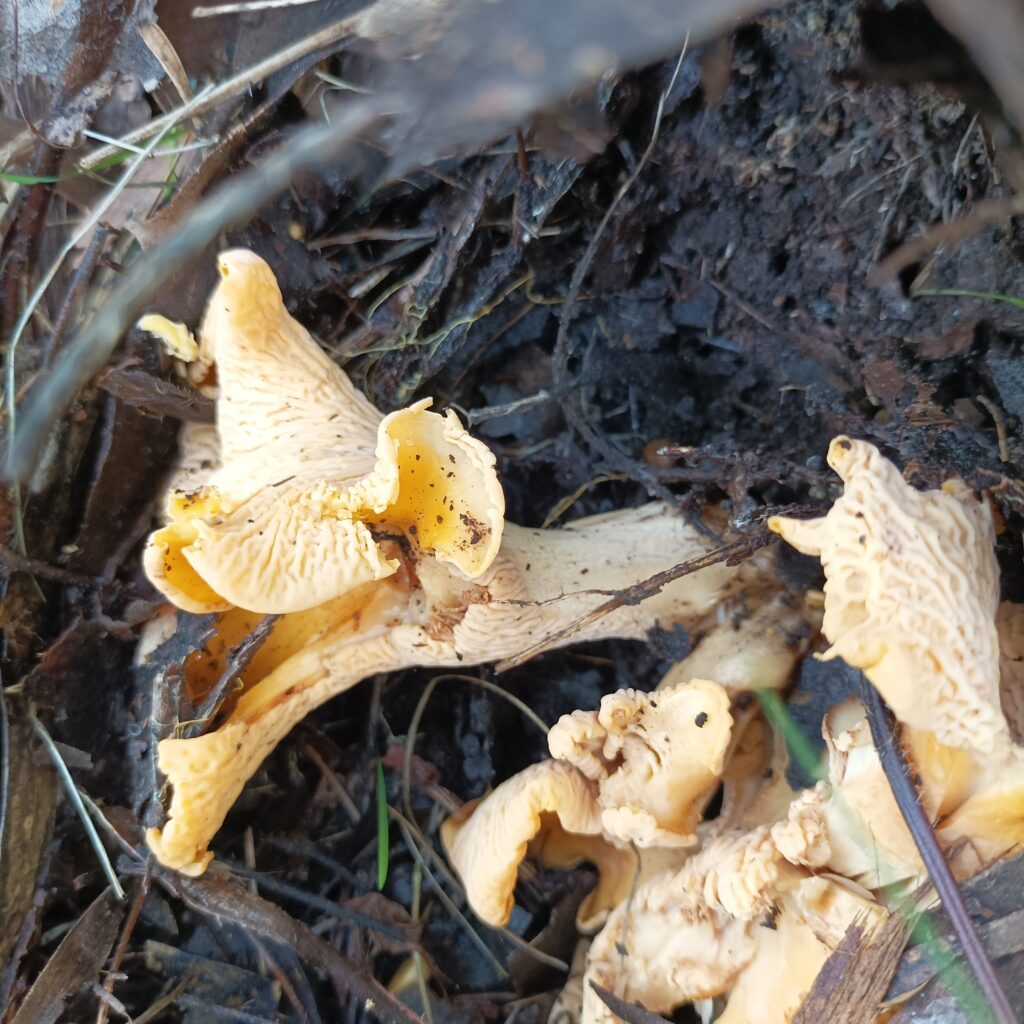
880 720
76 800
970 293
383 837
28 179
797 743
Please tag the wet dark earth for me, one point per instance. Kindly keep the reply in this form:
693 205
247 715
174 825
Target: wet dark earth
741 215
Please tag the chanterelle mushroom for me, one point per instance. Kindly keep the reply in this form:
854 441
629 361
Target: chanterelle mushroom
756 912
651 757
486 840
381 539
637 771
911 597
308 467
744 916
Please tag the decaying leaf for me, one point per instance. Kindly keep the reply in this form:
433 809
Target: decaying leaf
76 962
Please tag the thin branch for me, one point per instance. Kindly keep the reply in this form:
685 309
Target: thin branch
76 800
208 99
238 660
729 553
13 562
894 765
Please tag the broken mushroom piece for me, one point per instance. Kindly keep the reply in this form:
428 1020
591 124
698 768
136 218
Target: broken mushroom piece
538 809
638 771
911 598
345 537
653 758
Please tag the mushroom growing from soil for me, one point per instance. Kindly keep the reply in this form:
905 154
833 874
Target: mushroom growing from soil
637 771
912 599
381 543
752 916
748 916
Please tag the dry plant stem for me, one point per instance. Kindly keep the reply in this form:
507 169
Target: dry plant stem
46 279
141 892
76 289
730 554
86 355
946 236
76 800
881 720
236 84
449 905
237 661
5 759
227 899
349 918
13 562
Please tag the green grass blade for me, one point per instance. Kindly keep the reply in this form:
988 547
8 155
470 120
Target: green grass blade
383 838
970 293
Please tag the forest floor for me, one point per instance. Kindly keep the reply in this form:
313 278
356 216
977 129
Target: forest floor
743 211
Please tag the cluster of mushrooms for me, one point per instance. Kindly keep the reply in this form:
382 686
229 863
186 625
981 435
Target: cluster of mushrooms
379 542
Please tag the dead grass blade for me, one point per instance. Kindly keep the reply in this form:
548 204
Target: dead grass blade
219 895
946 236
86 355
77 961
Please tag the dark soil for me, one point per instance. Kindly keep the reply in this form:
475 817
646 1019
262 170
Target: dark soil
731 311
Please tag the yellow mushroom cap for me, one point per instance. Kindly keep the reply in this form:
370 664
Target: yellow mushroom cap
310 471
910 595
652 756
487 840
177 338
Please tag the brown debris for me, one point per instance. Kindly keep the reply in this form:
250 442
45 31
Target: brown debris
855 979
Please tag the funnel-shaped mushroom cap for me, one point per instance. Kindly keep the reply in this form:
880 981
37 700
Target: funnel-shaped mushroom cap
910 595
487 840
309 467
652 757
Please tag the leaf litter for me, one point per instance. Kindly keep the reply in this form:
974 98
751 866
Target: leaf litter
426 225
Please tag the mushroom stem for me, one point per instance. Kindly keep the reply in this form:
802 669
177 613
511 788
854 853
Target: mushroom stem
550 581
541 582
208 772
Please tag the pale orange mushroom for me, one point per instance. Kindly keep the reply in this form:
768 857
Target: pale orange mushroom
911 598
747 918
380 540
635 773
